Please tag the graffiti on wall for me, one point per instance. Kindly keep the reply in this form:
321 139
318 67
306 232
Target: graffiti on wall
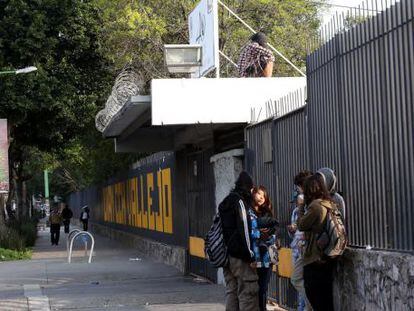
143 201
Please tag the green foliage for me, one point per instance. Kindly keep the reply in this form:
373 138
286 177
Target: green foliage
49 109
11 239
137 30
289 26
9 254
19 234
79 46
28 231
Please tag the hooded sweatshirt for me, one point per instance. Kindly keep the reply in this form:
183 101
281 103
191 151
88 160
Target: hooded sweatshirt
312 224
237 225
330 181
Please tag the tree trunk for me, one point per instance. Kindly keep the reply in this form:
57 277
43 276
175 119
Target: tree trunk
2 212
24 201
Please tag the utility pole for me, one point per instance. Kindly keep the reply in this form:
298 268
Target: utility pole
46 178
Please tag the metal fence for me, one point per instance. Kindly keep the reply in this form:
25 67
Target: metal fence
359 121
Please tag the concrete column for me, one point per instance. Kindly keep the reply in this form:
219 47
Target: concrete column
227 167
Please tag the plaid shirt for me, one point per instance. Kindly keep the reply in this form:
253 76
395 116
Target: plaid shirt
253 60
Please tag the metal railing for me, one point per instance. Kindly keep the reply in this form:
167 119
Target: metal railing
72 236
71 233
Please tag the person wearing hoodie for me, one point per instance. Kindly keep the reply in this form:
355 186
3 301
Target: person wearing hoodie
241 278
329 178
318 269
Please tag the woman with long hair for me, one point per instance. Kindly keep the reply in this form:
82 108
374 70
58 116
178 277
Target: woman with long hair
318 269
263 236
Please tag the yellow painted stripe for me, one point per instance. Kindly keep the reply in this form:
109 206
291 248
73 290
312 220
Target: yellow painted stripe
285 267
196 246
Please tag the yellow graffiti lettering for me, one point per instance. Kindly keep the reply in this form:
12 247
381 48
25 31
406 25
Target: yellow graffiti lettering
159 215
150 189
167 200
143 207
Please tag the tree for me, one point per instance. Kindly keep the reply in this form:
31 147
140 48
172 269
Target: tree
79 46
48 109
289 25
138 30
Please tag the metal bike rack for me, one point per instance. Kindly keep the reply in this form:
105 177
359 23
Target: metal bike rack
80 233
72 232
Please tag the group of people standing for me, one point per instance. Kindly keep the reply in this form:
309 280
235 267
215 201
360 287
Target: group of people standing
250 232
58 217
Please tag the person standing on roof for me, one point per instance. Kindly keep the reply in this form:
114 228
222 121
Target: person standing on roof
256 60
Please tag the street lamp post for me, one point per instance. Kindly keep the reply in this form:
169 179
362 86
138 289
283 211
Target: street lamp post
19 71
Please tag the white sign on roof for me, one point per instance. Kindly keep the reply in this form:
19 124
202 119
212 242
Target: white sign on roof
227 100
203 27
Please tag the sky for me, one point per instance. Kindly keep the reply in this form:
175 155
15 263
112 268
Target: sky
368 4
328 14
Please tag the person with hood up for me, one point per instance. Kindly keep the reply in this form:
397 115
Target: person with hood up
240 276
329 178
318 269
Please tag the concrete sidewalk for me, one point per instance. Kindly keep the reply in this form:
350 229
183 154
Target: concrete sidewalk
117 279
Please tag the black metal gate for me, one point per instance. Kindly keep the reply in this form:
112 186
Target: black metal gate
201 209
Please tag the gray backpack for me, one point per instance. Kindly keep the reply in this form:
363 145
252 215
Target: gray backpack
333 238
215 248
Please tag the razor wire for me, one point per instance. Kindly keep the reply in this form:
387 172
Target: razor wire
128 83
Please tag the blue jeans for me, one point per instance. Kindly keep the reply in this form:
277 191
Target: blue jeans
301 299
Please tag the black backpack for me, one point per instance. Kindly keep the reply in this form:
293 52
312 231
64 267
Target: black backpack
214 247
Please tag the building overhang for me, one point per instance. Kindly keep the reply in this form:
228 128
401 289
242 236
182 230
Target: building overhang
135 111
189 111
226 100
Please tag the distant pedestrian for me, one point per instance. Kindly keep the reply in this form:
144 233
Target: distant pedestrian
241 279
256 60
55 220
67 214
84 217
318 268
298 241
263 236
330 181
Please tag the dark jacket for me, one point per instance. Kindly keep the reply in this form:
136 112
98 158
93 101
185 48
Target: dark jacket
312 223
80 217
67 213
267 221
236 225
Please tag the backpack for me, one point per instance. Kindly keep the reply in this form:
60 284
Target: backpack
214 247
54 219
333 238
